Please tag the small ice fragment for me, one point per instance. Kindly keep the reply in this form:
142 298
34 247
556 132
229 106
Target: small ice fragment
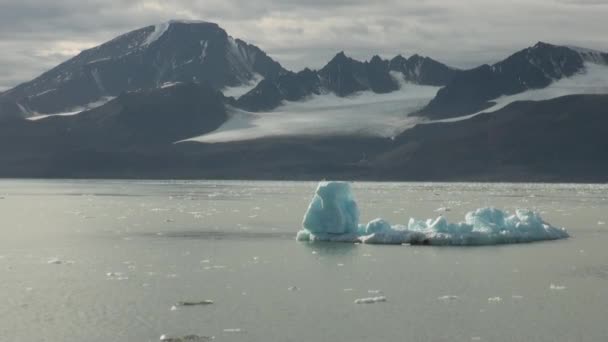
173 308
187 338
314 252
55 261
448 297
202 302
374 291
601 223
233 330
348 290
494 299
517 297
340 265
206 261
370 300
557 287
475 338
293 288
442 210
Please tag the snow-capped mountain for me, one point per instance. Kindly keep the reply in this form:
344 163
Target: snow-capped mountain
345 76
147 58
184 99
536 67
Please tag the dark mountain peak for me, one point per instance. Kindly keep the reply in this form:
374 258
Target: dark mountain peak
376 60
146 58
534 67
416 57
340 58
541 45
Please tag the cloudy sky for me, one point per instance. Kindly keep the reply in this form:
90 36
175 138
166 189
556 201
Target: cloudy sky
36 35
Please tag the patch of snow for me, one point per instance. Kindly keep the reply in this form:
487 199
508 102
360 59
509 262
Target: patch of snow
159 31
204 45
594 80
73 111
97 78
243 89
364 113
44 92
169 84
590 55
100 60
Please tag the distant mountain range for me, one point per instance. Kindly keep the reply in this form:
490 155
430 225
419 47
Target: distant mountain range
130 108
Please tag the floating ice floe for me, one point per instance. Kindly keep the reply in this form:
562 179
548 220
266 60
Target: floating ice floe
188 338
494 299
370 300
557 287
333 215
202 302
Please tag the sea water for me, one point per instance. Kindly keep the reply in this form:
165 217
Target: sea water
119 260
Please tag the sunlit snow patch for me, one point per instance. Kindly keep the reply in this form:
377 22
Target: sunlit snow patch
593 80
244 88
73 111
333 215
364 113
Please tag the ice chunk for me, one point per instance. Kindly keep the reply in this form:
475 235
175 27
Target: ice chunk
333 215
188 338
333 210
370 300
494 299
202 302
557 287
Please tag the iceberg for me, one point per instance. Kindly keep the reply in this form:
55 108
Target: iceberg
333 215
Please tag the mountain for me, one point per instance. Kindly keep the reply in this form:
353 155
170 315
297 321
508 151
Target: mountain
532 68
146 58
345 76
145 118
562 139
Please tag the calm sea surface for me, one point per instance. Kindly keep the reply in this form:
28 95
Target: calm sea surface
108 261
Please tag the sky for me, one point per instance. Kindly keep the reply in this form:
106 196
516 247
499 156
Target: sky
36 35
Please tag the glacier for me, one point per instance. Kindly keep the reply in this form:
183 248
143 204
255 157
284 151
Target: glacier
333 215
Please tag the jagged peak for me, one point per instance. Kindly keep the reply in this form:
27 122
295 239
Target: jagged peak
541 44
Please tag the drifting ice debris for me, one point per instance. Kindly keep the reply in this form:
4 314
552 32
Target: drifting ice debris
494 299
370 300
55 261
448 297
333 215
188 338
557 287
202 302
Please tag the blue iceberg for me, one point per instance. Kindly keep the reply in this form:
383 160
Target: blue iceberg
333 215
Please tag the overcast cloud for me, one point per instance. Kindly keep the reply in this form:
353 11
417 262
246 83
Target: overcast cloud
36 35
